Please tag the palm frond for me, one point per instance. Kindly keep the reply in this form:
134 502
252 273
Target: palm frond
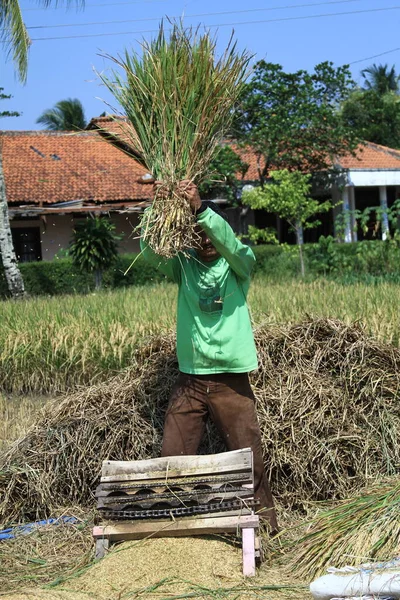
14 35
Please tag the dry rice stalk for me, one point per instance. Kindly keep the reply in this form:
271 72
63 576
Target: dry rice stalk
358 530
179 99
327 401
47 553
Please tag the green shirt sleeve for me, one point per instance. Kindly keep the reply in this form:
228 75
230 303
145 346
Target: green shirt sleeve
239 256
171 267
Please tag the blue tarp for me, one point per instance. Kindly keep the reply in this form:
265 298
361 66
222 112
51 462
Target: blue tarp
12 532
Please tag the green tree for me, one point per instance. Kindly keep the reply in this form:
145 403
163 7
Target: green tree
381 79
291 119
13 32
13 275
374 117
94 246
66 115
222 181
288 196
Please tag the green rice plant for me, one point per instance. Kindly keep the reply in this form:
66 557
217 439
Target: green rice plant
179 99
54 344
360 529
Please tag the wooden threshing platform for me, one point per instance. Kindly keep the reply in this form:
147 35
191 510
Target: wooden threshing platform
179 496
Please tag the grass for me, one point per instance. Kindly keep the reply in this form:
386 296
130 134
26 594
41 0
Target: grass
49 345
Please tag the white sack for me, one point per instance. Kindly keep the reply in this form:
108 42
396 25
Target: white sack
373 579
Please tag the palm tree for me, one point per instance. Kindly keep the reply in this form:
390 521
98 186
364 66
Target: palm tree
65 116
12 273
380 79
14 34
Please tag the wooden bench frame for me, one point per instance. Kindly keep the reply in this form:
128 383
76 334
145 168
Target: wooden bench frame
243 521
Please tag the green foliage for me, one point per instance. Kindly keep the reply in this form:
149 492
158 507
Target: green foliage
373 116
61 276
67 115
221 181
264 236
14 35
94 247
291 119
357 261
7 113
288 195
381 79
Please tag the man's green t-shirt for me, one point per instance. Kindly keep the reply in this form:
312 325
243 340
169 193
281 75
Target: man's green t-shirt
214 333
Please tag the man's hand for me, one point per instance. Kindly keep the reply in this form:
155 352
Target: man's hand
187 188
191 193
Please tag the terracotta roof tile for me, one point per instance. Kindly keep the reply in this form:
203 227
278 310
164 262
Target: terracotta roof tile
372 156
116 126
49 167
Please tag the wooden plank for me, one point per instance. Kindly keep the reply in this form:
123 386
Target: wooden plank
211 470
102 545
173 466
184 483
249 559
132 530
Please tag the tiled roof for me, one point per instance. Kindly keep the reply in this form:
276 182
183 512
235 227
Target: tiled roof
50 167
371 157
249 157
113 125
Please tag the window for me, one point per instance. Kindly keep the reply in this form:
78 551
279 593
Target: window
27 244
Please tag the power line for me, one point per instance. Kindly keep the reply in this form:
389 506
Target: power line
354 62
282 19
142 2
228 12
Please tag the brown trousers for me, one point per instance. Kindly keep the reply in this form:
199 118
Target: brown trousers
229 400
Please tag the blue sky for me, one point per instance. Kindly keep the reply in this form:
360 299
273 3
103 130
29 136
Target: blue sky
275 30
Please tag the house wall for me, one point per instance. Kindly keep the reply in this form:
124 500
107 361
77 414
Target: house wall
56 232
126 223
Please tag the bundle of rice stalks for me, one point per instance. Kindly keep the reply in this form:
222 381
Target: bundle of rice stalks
327 402
363 528
179 99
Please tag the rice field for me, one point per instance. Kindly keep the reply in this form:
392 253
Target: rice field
49 345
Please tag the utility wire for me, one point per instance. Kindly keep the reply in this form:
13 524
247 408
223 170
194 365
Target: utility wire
354 62
227 12
142 2
282 19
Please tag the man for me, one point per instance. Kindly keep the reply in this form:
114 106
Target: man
215 344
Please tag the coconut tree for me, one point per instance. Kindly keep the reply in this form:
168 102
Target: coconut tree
66 115
381 79
13 275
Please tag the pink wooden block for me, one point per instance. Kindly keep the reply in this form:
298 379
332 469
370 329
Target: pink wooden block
249 559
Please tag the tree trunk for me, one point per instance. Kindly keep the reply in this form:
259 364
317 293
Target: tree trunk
300 242
98 279
11 270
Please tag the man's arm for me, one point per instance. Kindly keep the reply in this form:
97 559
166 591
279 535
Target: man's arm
239 256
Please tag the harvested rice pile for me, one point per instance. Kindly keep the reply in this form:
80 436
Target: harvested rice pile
207 568
327 403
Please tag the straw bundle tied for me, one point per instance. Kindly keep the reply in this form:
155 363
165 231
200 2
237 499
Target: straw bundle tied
179 99
361 529
327 402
